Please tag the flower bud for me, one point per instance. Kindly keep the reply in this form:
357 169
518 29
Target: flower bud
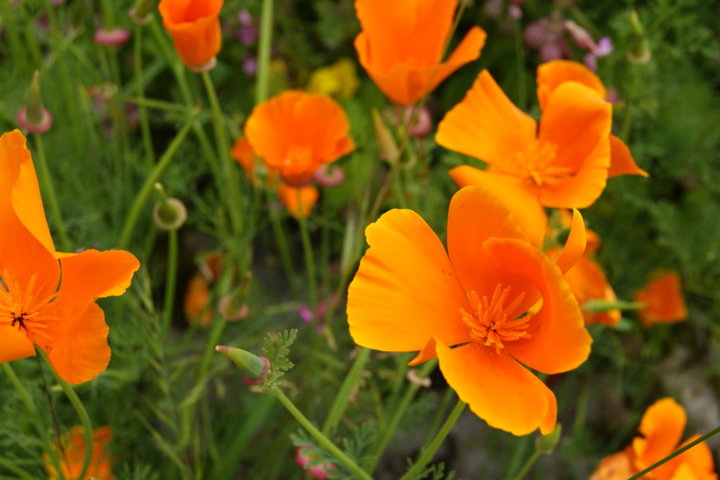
330 175
34 117
638 47
111 38
387 145
306 461
254 368
169 213
546 444
142 12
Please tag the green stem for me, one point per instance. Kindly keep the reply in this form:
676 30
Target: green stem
428 452
309 265
50 195
341 400
79 409
322 440
263 58
147 187
140 92
16 470
282 244
677 452
22 393
170 278
527 466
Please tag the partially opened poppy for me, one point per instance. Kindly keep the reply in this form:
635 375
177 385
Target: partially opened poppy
551 75
402 42
562 163
72 455
47 298
195 28
297 132
661 428
299 200
662 300
489 307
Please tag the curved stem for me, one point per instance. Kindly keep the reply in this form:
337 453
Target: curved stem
428 452
309 266
341 400
527 465
50 195
169 299
322 440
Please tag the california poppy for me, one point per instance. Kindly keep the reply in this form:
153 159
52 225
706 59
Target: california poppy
552 74
661 428
402 43
47 298
72 455
299 200
195 28
562 164
297 132
487 308
662 300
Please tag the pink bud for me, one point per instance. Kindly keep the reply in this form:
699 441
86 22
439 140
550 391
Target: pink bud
330 175
580 36
419 121
41 127
111 38
316 471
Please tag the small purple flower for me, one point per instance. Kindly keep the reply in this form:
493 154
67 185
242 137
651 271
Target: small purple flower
244 17
247 34
249 65
604 47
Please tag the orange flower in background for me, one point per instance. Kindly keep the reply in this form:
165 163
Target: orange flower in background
196 302
661 428
299 200
663 299
562 163
195 28
402 42
297 132
47 298
551 75
72 455
487 308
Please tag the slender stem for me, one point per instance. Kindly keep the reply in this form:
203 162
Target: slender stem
341 400
282 245
677 452
322 440
309 265
147 187
527 466
22 393
50 195
263 57
79 409
170 278
140 92
429 451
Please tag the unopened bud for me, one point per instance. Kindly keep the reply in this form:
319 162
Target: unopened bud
638 49
330 175
546 444
255 369
34 117
141 13
111 38
387 145
169 213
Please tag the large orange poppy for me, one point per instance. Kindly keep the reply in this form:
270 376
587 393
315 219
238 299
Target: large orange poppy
402 43
297 132
470 307
47 298
661 428
195 28
551 75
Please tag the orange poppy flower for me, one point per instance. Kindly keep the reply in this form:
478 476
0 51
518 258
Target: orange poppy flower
552 74
47 298
243 153
297 132
72 455
299 200
661 428
487 308
663 299
402 43
196 301
563 163
195 28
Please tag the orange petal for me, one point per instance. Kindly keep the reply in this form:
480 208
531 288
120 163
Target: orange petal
427 353
79 350
514 193
695 463
617 466
558 340
498 389
486 125
91 274
195 28
14 344
621 160
663 299
405 291
196 302
662 426
300 201
575 244
577 122
588 282
551 75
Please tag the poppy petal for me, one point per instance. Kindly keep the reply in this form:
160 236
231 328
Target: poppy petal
14 344
498 389
577 122
551 75
91 274
662 426
575 244
515 194
621 160
486 125
405 291
558 339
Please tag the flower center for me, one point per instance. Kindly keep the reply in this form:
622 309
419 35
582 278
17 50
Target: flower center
24 307
537 162
491 321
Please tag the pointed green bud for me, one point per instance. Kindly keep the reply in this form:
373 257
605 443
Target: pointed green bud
141 13
638 47
34 117
546 444
169 213
387 145
602 306
255 369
